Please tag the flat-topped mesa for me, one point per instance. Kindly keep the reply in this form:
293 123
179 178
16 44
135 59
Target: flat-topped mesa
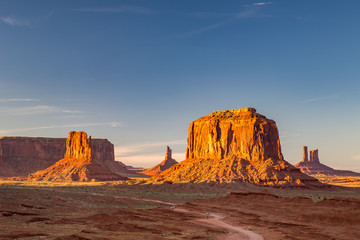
77 164
233 113
235 146
21 156
240 133
78 146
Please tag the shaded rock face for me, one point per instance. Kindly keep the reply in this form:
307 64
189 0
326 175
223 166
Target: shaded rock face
305 154
164 165
20 156
235 146
168 154
314 156
313 167
24 155
77 165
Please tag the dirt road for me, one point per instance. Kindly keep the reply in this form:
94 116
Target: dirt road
234 232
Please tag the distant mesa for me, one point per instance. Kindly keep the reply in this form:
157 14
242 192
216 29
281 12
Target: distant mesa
235 146
164 165
77 165
21 156
313 167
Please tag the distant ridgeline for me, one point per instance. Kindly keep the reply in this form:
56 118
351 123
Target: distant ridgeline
20 156
313 166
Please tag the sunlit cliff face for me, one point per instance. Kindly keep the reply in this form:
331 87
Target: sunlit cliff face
78 146
240 133
234 146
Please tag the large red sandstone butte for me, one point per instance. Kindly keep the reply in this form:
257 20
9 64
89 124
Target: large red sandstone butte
21 156
235 146
78 164
164 165
313 167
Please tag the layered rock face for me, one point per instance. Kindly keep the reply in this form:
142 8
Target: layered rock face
24 155
313 167
78 164
240 133
164 165
235 145
21 156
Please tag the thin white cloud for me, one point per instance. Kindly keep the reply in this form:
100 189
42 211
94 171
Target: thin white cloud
95 124
39 109
121 9
357 157
320 98
261 3
138 149
14 22
18 100
149 160
243 15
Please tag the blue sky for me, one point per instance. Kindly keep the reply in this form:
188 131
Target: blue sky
138 72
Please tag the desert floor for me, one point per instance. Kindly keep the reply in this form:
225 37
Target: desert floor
130 210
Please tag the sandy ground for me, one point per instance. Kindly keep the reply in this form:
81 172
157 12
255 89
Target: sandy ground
121 211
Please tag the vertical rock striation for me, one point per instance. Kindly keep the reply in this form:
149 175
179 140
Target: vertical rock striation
234 145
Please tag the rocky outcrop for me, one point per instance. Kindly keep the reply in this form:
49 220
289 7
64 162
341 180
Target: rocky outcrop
305 154
164 165
314 156
240 133
77 165
20 156
235 145
314 168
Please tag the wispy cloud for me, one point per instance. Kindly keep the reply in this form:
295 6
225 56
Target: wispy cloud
14 22
149 160
357 157
136 149
2 100
94 124
261 3
121 9
242 15
39 109
321 98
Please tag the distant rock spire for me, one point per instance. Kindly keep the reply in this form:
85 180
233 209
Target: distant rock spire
305 154
164 165
168 153
314 156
